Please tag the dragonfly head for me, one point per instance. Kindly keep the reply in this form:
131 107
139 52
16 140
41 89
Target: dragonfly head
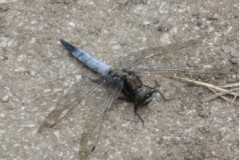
144 95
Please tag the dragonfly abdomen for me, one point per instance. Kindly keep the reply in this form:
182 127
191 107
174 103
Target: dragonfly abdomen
86 58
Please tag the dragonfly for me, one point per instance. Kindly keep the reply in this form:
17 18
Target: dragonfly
109 84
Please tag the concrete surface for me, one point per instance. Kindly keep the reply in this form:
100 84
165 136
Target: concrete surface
35 72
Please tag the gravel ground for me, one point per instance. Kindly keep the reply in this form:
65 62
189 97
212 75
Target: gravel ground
36 71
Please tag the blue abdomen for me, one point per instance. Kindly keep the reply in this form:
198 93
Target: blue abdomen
86 58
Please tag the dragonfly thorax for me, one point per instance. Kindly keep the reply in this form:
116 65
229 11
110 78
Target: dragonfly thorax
133 88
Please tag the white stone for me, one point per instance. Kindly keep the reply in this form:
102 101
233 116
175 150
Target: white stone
5 98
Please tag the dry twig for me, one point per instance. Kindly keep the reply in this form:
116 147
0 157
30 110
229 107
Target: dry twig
219 91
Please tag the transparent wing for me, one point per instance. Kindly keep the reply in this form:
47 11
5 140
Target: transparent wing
68 102
162 59
94 120
91 97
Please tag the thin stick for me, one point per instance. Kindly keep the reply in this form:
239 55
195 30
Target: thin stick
231 85
225 98
214 89
235 96
204 85
219 94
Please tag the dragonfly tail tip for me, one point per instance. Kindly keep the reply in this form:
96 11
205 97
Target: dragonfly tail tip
68 46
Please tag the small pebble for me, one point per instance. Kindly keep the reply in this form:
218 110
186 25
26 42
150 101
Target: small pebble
20 69
47 90
94 30
199 23
187 141
191 63
234 60
32 73
164 8
71 24
78 77
159 28
122 2
116 47
5 98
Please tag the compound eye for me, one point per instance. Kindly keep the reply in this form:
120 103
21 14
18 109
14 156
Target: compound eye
147 95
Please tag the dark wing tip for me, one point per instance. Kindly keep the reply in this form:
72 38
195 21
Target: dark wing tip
68 46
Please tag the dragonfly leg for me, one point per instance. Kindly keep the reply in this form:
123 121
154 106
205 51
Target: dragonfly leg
135 111
125 98
157 90
161 95
93 148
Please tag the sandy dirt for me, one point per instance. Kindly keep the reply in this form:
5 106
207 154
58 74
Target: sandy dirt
36 71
